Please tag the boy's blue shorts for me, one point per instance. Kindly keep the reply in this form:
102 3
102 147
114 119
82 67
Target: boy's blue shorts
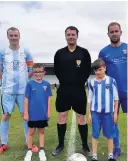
8 102
104 121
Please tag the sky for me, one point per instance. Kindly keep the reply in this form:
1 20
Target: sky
42 24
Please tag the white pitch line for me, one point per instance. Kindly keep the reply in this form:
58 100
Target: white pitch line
71 143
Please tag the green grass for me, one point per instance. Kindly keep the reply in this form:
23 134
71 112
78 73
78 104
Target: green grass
17 150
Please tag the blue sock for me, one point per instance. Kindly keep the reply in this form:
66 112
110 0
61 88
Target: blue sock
4 131
116 140
25 125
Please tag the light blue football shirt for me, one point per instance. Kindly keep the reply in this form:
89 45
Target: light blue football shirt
15 70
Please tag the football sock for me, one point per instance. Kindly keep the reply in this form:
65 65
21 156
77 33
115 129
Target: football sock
25 125
83 130
61 128
4 131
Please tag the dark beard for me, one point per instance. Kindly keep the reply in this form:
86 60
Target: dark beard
115 42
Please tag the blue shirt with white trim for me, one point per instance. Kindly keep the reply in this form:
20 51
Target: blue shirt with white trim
38 94
102 94
116 63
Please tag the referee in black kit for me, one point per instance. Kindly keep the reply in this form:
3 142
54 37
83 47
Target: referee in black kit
72 66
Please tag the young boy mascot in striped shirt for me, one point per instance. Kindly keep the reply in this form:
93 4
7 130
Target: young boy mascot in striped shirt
102 106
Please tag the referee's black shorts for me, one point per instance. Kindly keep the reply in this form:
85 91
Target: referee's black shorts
71 96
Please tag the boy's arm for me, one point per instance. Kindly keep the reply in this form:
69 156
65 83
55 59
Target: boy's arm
89 109
89 114
49 107
26 109
26 101
116 101
90 95
49 92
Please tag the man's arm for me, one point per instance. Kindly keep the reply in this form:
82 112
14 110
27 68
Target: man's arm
100 54
88 64
57 65
30 74
1 66
1 72
29 62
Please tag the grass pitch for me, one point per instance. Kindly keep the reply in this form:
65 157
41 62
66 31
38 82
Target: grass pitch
17 149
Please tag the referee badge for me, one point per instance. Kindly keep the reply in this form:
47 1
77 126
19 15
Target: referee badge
78 62
107 86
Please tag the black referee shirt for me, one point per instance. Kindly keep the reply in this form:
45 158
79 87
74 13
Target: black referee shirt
72 68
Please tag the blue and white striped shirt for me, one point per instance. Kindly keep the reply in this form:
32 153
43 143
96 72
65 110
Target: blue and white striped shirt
15 66
102 94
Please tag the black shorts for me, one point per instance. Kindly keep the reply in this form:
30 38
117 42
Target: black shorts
38 124
74 97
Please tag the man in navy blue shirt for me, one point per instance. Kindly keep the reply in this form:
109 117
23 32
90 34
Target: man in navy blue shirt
115 56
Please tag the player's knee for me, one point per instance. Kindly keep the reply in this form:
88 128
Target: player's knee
80 119
41 131
62 117
31 133
5 117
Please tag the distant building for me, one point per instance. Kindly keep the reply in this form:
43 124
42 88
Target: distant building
50 75
50 69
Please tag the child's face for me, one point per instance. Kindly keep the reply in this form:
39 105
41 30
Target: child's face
100 72
38 73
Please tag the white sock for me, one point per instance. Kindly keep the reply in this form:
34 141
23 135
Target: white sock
110 155
94 156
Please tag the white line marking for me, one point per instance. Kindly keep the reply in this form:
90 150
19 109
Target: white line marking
71 143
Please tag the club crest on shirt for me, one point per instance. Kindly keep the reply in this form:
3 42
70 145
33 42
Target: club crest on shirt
45 87
107 86
15 64
21 54
78 62
124 51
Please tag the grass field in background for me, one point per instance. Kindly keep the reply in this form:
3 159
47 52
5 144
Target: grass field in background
17 149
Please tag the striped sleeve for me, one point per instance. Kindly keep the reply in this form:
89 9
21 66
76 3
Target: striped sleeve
90 92
115 90
29 60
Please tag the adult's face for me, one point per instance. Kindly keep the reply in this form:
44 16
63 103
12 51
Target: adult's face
114 34
71 37
13 37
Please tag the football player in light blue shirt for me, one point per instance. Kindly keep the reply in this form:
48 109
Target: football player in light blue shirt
15 69
115 56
